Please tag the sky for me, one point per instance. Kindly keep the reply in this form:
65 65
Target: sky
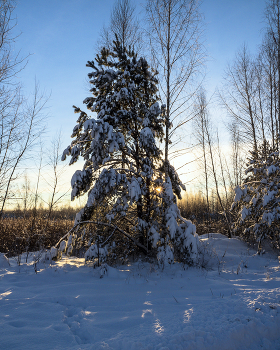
60 36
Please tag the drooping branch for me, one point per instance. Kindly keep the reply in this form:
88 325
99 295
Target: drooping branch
115 227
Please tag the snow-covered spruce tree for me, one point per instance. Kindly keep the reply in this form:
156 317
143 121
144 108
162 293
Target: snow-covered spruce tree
257 200
124 172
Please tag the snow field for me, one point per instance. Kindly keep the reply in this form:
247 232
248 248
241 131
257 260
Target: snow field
233 304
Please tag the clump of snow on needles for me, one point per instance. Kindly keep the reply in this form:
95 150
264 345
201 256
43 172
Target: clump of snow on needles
233 303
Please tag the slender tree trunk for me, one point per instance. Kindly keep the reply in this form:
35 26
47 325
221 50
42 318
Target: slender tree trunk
271 109
16 165
168 89
278 62
222 171
216 182
205 173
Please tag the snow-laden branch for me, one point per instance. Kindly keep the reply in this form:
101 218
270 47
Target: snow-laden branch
115 227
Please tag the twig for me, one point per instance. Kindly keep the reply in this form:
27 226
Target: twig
104 224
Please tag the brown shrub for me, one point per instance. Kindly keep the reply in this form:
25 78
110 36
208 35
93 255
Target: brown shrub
18 234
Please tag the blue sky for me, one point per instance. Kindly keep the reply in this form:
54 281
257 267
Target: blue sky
61 35
228 25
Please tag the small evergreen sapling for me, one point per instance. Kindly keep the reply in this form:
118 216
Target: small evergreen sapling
257 201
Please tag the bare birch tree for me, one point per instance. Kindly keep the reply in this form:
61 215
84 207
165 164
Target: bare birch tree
237 160
125 25
19 120
200 122
25 130
209 141
175 28
211 149
54 179
269 82
252 88
272 15
239 98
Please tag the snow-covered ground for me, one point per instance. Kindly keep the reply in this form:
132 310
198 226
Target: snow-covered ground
233 304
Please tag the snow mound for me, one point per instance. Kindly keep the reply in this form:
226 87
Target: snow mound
4 262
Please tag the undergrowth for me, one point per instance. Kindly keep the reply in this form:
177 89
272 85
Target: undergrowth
18 235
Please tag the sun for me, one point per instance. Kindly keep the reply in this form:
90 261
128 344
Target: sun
158 189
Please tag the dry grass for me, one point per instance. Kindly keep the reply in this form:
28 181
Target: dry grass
214 226
23 231
19 234
193 206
